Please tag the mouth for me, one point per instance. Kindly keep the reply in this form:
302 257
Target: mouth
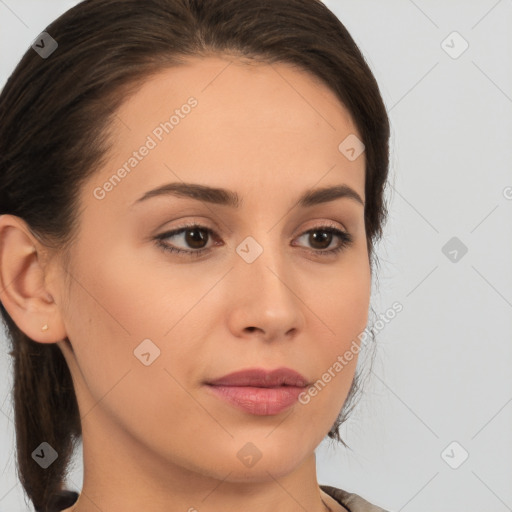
258 391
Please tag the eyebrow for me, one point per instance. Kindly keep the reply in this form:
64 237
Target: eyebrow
224 197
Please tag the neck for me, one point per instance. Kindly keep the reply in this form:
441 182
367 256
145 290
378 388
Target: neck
121 475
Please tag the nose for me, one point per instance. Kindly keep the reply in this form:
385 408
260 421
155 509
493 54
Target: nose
264 298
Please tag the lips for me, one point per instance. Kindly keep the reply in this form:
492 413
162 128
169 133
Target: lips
262 378
259 392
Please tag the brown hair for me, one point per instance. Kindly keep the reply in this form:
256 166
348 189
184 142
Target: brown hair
56 114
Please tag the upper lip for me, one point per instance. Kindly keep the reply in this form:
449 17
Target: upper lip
258 377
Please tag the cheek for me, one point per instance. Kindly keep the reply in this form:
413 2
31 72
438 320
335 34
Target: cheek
104 332
341 299
125 310
342 310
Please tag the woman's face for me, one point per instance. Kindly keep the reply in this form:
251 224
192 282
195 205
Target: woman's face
149 328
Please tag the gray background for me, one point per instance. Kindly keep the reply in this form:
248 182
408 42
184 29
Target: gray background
442 373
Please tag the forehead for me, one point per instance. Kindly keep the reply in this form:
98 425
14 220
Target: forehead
224 79
217 120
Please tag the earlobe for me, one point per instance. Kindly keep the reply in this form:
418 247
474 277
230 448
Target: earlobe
22 283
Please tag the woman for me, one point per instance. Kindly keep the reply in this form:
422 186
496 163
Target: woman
190 195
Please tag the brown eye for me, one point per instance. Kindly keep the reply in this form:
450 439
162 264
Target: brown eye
193 239
321 241
320 238
196 237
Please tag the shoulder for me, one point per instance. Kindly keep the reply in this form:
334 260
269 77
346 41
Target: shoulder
351 501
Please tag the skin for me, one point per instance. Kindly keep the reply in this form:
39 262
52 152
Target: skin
152 434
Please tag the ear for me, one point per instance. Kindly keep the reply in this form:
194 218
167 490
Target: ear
23 282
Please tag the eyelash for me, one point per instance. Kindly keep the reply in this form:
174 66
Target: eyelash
345 240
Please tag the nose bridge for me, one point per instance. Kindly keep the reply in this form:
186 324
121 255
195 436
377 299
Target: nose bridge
264 295
263 264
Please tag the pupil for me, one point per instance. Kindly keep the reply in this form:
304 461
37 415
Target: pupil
195 241
314 239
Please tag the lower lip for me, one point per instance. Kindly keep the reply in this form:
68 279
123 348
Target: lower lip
259 401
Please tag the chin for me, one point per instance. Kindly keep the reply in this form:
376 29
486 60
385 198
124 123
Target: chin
263 460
